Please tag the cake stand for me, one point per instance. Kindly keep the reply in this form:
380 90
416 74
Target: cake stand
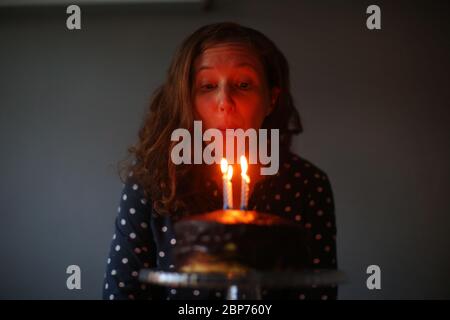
249 283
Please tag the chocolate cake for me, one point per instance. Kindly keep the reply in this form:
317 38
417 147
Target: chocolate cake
239 241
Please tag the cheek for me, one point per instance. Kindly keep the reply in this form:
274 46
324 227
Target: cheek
202 107
204 111
255 112
254 119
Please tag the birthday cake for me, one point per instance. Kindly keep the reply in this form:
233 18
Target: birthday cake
240 241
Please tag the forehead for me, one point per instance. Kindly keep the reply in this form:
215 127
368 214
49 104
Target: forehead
228 55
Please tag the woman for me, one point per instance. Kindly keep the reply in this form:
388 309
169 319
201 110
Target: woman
227 76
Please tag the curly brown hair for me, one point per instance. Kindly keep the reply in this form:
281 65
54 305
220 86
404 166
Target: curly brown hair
171 107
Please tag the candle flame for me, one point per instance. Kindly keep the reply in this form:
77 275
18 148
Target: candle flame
223 165
244 167
230 172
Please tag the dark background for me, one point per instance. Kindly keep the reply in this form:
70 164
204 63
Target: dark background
375 106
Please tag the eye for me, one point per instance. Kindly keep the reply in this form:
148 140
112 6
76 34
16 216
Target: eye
208 87
244 85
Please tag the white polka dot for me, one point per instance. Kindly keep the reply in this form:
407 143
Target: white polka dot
132 211
124 260
143 201
130 174
171 266
121 284
113 272
117 248
173 291
133 235
135 186
137 250
134 274
287 186
114 236
173 241
196 292
218 294
118 209
109 260
111 297
144 225
106 286
162 254
123 222
164 229
124 197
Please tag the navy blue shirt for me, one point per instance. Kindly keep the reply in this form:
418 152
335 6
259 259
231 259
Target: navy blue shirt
300 191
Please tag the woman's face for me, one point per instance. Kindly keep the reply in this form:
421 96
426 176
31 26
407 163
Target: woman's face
231 89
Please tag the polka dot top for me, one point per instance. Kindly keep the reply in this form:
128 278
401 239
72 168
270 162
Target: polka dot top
299 191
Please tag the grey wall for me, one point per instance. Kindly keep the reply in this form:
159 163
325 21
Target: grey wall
374 105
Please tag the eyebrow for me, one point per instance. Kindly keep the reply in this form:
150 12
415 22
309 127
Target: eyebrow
240 65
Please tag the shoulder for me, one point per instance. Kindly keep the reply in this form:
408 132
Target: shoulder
294 165
303 175
133 195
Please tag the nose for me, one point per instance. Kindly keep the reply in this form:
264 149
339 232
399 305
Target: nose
225 100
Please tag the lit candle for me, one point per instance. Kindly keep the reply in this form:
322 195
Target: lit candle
230 187
244 184
227 174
